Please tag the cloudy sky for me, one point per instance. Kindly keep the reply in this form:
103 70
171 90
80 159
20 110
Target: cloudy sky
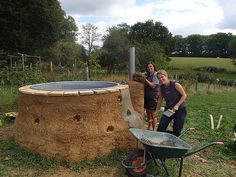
181 17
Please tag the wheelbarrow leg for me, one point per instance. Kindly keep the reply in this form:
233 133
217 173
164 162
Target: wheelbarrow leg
181 166
164 165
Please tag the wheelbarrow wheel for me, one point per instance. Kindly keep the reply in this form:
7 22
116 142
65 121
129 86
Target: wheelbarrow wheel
136 160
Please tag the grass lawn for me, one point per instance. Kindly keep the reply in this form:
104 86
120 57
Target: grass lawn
8 98
216 161
194 62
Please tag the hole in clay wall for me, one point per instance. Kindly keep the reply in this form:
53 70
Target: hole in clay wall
36 120
110 128
76 118
119 98
128 112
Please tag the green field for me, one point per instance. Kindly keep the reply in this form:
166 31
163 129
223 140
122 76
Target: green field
207 99
194 62
218 160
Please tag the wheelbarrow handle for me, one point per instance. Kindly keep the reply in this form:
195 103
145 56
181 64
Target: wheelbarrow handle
192 129
203 147
219 142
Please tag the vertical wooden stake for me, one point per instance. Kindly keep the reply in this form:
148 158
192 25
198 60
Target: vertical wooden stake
11 62
15 65
218 125
86 72
51 66
40 63
23 62
212 122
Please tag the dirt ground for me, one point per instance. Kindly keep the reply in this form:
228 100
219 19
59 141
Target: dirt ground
101 171
118 171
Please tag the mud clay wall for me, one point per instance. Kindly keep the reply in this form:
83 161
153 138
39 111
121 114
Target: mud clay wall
136 90
73 126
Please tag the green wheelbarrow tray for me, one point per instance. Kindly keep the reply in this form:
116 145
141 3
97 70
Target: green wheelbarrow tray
162 145
158 145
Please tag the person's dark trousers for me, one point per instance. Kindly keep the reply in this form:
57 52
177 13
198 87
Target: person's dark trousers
179 118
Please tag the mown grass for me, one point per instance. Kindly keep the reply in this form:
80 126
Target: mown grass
220 160
13 157
195 62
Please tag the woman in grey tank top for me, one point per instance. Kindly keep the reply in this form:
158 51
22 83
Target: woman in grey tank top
151 92
175 109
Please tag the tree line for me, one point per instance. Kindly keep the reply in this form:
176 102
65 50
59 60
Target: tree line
214 45
42 28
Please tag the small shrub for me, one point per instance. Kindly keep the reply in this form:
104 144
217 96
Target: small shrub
21 77
205 77
211 69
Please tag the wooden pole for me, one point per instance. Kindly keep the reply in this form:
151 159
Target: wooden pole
218 125
15 66
40 62
11 62
86 72
196 84
51 66
212 122
23 62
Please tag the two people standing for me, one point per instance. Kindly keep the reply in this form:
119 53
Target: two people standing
159 87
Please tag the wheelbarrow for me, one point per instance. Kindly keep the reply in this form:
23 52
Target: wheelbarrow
160 146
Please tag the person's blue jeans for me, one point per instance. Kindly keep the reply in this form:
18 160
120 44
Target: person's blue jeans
178 117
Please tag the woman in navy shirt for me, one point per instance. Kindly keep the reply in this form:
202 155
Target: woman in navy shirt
174 96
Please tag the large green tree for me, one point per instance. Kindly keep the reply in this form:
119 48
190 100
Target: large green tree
149 31
27 26
69 30
194 45
150 52
217 45
115 49
180 46
232 49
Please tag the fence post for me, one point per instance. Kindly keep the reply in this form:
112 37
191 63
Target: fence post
15 65
208 86
23 62
11 62
86 72
40 64
196 86
51 66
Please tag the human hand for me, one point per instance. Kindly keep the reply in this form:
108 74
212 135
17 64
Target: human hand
175 108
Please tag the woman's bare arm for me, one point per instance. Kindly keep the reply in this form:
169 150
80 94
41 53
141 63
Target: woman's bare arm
180 89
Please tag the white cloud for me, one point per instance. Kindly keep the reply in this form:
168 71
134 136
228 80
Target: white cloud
93 7
229 20
182 17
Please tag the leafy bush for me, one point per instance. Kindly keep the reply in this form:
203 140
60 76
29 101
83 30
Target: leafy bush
228 82
205 77
211 69
189 75
21 77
